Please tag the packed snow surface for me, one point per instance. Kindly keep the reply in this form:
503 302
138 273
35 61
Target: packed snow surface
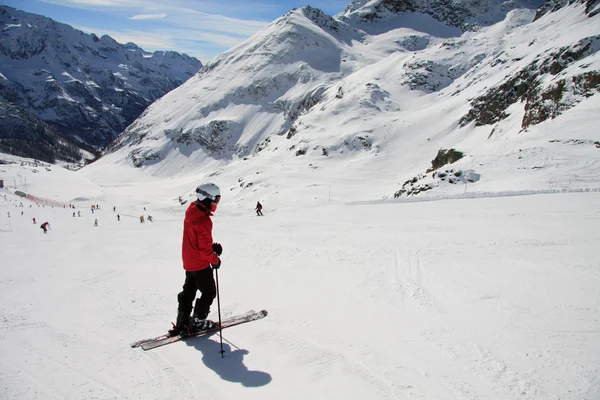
483 298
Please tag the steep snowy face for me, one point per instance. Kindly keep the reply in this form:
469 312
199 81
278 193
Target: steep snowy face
344 98
88 88
463 14
355 5
257 89
592 7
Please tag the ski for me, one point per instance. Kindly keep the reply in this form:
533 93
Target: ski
152 343
166 335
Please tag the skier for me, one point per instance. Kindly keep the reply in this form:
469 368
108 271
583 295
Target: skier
33 219
141 219
258 208
45 226
199 253
150 218
118 217
96 222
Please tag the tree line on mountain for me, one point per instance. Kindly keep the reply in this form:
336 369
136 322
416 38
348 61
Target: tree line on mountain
49 149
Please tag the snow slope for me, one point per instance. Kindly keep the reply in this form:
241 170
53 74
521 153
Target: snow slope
345 99
487 298
490 292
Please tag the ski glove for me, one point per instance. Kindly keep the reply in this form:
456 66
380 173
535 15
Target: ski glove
217 265
217 248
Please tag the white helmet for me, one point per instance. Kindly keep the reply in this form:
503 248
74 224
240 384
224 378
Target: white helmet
208 191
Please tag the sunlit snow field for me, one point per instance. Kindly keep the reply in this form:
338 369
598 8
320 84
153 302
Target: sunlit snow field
486 298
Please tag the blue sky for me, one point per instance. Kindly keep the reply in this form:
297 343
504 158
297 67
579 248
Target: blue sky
199 28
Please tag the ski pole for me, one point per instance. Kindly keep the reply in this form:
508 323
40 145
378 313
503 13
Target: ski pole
219 308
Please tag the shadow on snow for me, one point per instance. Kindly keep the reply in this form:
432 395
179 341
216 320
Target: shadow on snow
231 367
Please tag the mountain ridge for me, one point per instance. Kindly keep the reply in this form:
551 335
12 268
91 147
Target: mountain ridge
88 88
314 90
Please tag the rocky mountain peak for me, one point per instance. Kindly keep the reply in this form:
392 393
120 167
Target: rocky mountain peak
592 7
464 14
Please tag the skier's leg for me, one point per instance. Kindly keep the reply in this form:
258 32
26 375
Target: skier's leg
206 284
186 299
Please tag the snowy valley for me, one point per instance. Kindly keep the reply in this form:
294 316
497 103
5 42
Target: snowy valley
65 94
429 172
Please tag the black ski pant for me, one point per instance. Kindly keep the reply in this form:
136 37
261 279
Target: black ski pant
203 281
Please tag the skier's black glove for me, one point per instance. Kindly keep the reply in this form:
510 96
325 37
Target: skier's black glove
217 265
217 248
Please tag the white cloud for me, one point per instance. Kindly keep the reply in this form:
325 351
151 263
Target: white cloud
148 16
180 16
95 4
147 40
181 22
166 39
221 40
213 22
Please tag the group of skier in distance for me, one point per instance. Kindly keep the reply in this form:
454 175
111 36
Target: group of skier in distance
95 207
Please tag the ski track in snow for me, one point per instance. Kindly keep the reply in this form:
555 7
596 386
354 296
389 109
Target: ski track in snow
411 281
31 361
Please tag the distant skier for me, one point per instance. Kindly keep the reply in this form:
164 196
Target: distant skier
96 222
259 208
79 213
199 253
118 217
150 219
33 219
45 227
141 219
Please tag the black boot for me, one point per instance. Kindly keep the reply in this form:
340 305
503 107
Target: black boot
199 325
182 325
200 311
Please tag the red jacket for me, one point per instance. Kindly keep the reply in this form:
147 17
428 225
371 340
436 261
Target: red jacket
196 250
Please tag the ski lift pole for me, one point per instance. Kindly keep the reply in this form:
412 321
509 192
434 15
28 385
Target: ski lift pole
219 308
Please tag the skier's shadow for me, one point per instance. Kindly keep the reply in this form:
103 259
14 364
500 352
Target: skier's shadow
230 367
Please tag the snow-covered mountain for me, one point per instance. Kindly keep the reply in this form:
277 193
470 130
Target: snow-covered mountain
486 86
318 117
464 14
74 86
